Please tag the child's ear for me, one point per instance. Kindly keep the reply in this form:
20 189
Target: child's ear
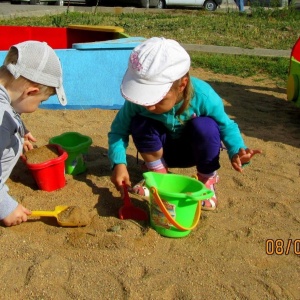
31 91
183 83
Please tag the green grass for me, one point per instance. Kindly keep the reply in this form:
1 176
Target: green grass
273 29
263 28
243 66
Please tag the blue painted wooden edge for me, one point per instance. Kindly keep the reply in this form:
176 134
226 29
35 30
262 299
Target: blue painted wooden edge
124 43
79 107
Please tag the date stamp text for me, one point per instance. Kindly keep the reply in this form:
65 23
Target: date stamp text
281 247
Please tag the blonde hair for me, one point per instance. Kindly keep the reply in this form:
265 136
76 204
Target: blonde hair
7 78
188 93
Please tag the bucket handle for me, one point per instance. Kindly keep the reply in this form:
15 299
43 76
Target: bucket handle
170 218
203 196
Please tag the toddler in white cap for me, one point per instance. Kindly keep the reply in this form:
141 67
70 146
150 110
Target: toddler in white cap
175 120
30 74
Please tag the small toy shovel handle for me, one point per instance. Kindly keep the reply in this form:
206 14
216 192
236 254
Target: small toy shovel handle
49 213
43 213
126 198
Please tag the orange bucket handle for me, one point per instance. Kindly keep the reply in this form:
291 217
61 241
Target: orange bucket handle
170 218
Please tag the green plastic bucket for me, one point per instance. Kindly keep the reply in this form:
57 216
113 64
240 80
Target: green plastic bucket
175 203
77 146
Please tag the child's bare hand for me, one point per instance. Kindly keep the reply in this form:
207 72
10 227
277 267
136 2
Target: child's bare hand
18 216
243 157
28 138
120 175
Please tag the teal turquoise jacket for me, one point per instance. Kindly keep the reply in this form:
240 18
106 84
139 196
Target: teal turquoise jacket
205 102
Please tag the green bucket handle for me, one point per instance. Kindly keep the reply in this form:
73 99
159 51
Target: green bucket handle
170 218
203 195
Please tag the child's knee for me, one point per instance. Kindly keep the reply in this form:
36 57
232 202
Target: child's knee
205 126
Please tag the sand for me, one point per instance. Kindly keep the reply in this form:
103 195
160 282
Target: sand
224 257
42 154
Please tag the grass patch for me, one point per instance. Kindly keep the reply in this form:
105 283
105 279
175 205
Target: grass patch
243 66
272 29
263 28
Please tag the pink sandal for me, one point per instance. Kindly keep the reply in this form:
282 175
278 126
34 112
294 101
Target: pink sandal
140 189
210 204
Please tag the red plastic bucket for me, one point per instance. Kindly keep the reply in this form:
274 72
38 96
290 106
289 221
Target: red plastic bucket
50 175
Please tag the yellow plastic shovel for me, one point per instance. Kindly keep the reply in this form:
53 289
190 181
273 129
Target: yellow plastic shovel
63 215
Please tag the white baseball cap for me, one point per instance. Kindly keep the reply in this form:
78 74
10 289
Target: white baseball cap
39 63
152 68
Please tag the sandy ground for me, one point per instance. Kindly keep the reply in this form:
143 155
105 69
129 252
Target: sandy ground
224 257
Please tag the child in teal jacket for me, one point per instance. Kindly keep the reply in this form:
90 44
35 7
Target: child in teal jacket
175 120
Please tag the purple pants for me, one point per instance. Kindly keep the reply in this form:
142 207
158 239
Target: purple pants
198 146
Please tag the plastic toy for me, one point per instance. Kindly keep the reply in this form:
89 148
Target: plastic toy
293 83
